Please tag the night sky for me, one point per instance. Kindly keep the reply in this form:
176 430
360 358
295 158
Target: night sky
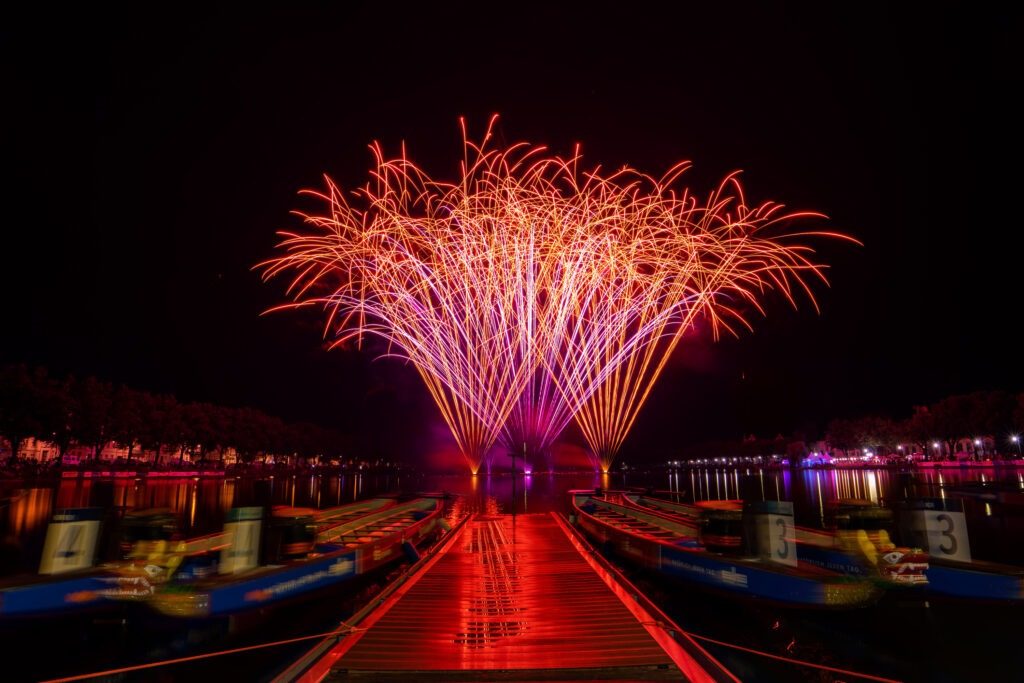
153 153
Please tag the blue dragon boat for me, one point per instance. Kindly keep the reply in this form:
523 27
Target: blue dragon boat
705 556
293 555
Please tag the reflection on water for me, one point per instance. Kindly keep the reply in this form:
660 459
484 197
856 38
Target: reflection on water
202 503
897 639
809 489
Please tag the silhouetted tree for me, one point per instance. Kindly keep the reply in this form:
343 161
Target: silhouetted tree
842 434
58 412
163 426
199 430
128 417
90 424
22 403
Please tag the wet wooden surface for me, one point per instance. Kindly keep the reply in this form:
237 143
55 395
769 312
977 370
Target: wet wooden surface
513 598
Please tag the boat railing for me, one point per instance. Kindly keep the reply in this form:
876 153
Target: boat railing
376 523
347 513
637 520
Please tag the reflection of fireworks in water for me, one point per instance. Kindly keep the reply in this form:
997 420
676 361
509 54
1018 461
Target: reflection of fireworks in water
527 294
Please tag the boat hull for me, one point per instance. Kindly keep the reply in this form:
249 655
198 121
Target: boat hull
68 582
906 568
62 596
677 556
331 565
980 582
940 525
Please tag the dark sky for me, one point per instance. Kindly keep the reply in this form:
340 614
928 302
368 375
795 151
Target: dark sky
152 153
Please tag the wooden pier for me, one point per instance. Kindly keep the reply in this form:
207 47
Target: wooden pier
511 598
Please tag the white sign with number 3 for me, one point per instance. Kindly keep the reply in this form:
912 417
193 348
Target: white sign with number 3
947 534
781 544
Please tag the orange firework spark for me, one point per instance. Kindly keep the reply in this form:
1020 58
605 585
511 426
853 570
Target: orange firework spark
527 295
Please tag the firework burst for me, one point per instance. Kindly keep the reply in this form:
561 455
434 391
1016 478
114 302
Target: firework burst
529 294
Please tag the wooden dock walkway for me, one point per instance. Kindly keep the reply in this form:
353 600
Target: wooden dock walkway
513 599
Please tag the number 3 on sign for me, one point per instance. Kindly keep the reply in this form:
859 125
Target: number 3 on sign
781 545
947 535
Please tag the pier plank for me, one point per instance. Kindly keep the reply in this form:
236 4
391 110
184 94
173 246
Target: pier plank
514 599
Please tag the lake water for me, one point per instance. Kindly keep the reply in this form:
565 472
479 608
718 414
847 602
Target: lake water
897 639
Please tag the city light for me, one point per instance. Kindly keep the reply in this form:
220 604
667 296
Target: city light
529 294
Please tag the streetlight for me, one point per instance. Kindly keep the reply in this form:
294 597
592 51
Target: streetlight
1016 439
977 445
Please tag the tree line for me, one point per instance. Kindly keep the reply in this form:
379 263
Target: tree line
982 424
89 412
